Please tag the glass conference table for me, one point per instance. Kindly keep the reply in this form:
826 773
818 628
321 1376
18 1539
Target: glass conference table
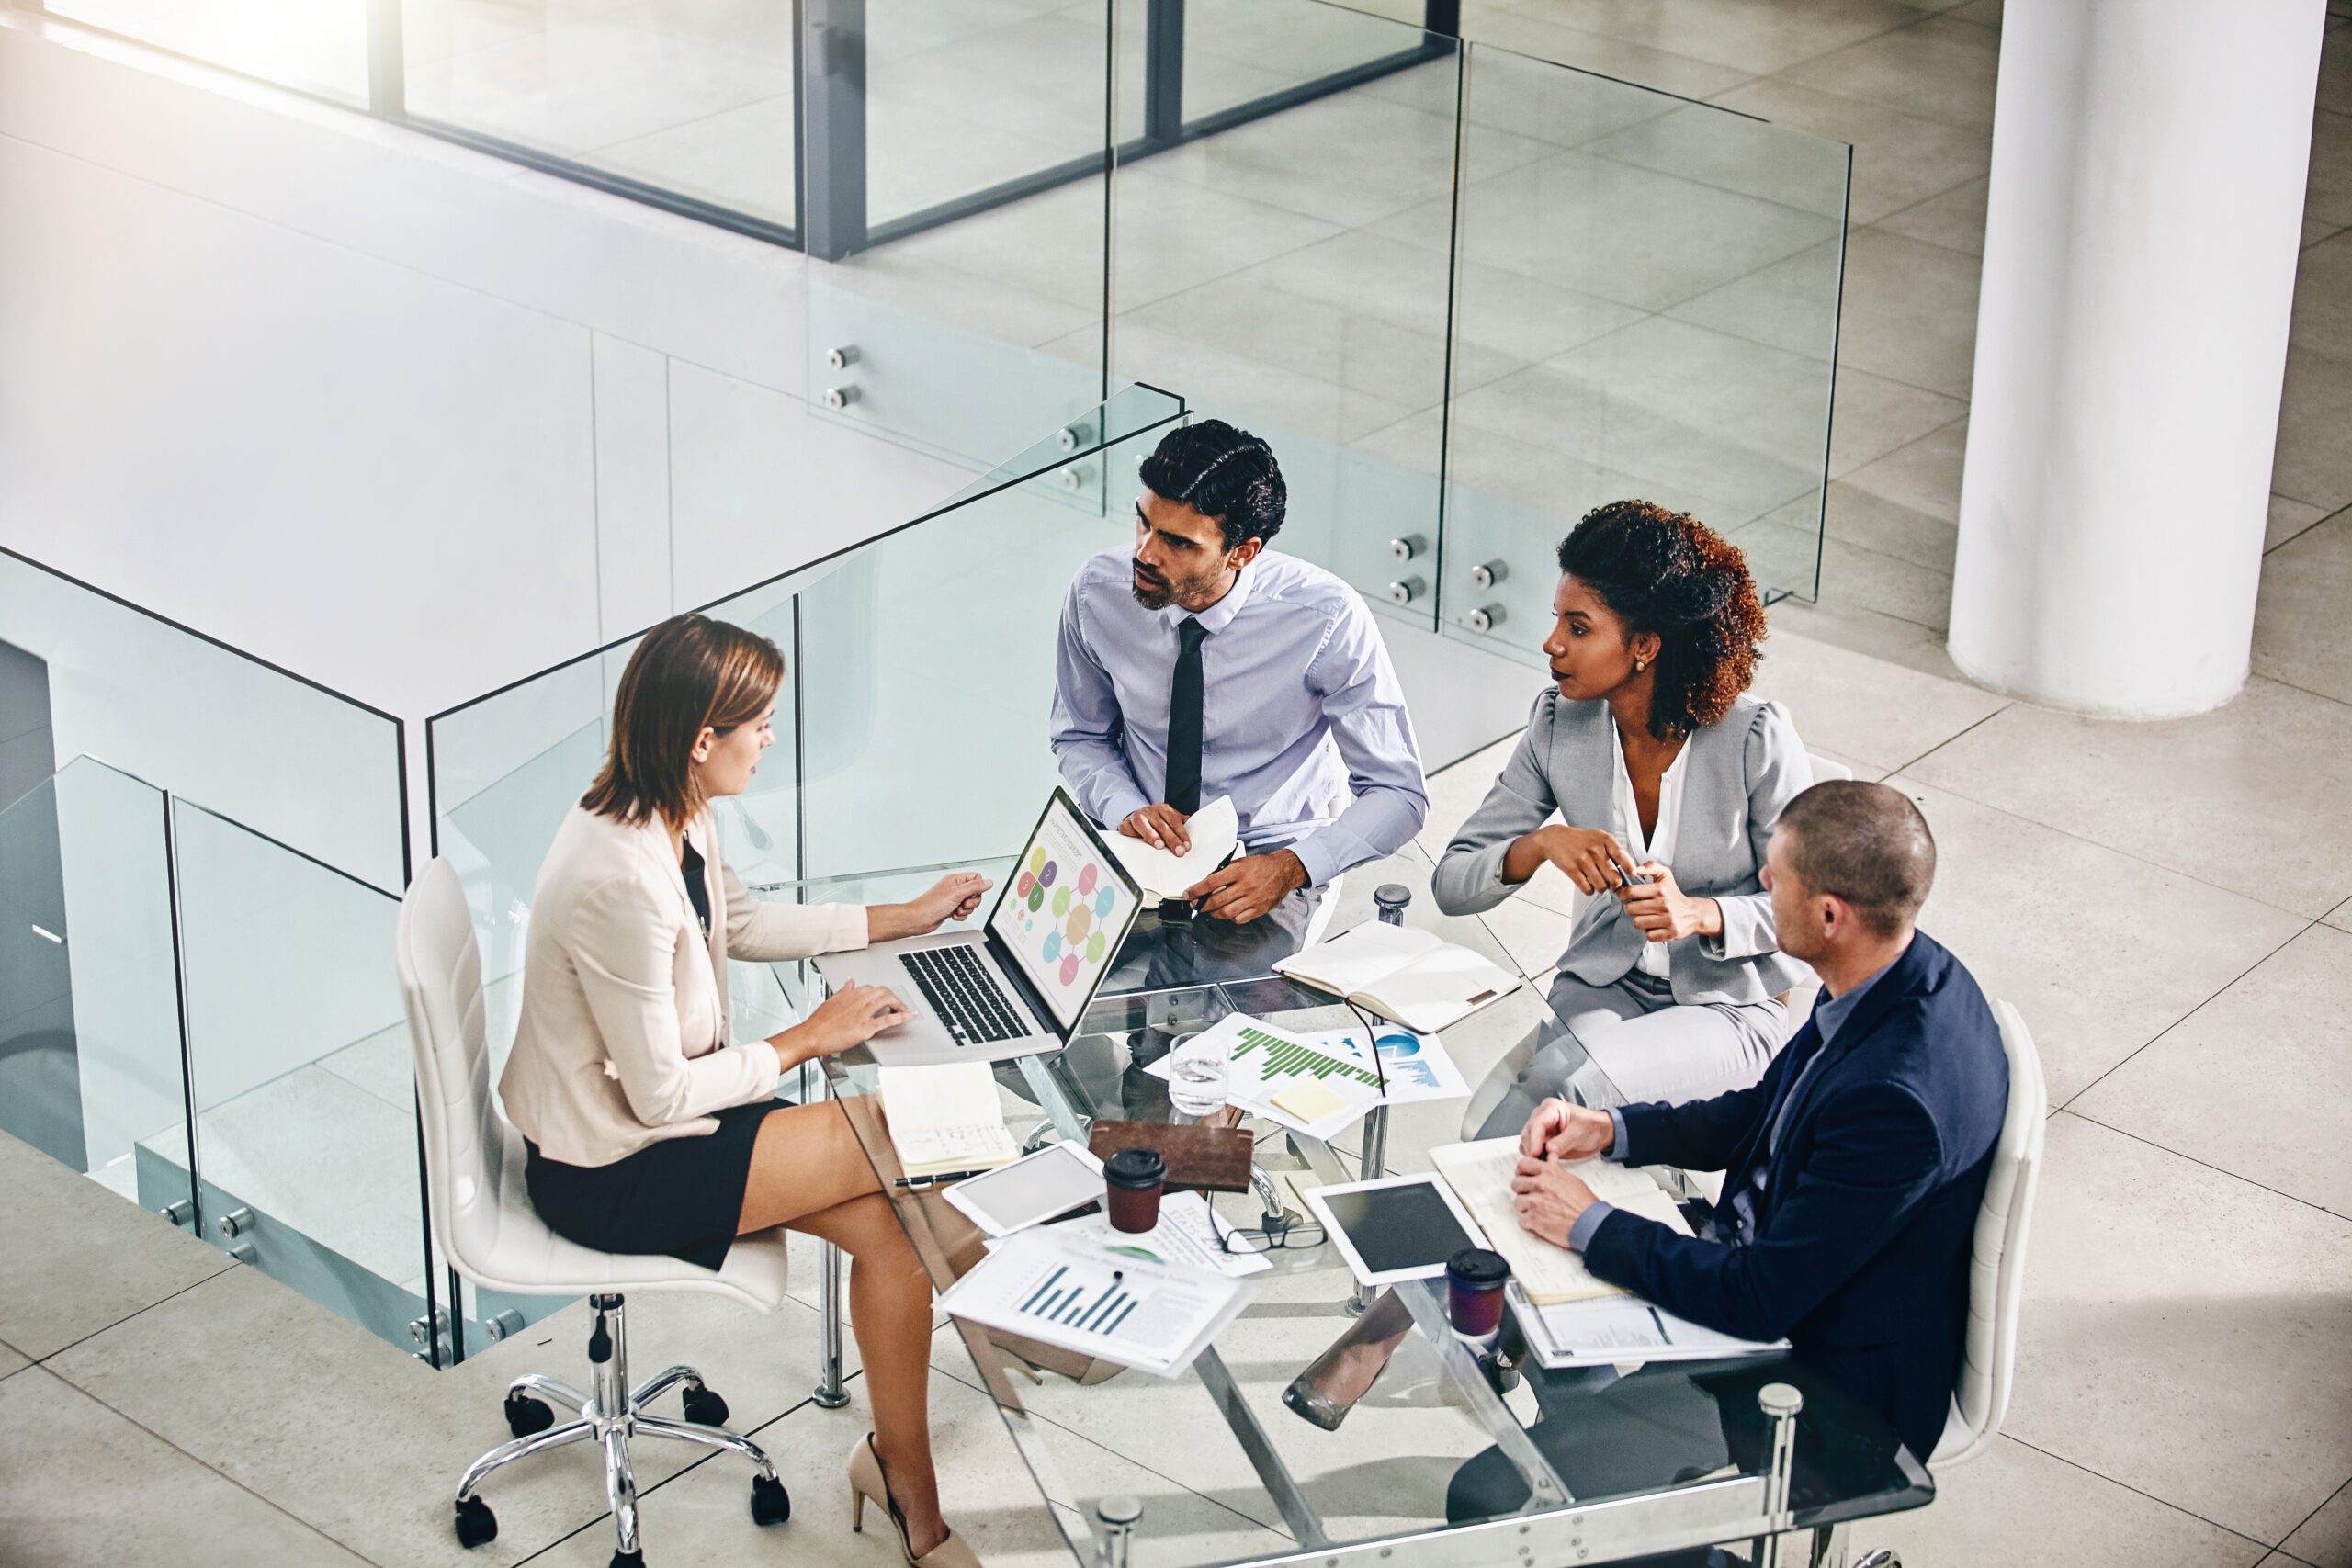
1441 1461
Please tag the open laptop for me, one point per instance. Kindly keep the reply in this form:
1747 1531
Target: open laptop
1020 983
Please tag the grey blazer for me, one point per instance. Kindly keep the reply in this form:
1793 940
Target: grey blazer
1742 771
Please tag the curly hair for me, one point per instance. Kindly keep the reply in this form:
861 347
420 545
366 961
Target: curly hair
1221 472
1668 573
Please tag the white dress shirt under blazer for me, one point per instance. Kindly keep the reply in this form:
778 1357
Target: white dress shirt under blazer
1738 774
623 1038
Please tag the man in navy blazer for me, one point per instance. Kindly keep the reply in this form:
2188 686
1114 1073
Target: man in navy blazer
1853 1172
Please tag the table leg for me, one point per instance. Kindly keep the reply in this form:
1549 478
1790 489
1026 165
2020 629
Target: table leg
828 1394
1117 1517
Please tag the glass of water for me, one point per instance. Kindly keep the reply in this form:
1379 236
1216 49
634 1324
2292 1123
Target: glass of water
1196 1079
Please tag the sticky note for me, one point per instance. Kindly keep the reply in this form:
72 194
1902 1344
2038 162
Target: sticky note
1309 1100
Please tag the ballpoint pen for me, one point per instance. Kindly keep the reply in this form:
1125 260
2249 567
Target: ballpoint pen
940 1179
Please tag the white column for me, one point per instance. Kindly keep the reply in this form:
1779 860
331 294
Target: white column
2140 243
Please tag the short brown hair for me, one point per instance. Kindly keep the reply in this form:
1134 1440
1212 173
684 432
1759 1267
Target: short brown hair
688 674
1668 573
1865 843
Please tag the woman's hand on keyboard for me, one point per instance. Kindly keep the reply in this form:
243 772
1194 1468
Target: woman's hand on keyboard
851 1016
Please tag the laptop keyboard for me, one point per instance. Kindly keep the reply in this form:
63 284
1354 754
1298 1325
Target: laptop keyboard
964 993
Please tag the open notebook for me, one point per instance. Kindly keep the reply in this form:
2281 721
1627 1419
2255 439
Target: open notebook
1215 831
1480 1175
946 1118
1417 978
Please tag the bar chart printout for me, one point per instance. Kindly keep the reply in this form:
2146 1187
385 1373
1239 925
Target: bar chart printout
1105 1301
1297 1083
1074 1299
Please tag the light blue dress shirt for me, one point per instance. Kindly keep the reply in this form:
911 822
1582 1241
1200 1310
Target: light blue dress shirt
1299 706
1829 1015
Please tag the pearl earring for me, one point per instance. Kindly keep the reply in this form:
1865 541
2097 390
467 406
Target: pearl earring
1637 666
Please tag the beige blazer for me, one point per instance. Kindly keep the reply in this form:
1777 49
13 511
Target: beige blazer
623 1037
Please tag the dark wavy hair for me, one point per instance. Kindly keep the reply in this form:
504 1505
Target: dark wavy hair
1668 573
1221 472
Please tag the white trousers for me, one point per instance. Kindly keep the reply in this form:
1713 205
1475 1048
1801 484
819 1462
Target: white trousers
1628 1044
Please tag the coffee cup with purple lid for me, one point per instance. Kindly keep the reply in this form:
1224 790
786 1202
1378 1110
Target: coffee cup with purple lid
1475 1279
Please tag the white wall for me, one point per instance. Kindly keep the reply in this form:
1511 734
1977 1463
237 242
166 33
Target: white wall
408 420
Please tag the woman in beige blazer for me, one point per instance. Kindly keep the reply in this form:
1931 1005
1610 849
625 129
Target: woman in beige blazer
649 1130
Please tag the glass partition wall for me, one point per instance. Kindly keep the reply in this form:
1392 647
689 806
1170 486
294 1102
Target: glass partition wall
1466 293
198 1007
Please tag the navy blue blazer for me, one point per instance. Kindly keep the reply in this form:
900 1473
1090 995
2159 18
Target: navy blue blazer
1869 1210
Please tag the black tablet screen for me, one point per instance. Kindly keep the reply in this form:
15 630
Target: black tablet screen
1407 1226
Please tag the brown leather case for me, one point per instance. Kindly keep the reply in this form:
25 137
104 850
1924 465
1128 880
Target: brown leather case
1200 1158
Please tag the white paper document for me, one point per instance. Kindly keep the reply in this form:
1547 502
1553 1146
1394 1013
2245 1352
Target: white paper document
1480 1175
1115 1303
1189 1233
1285 1077
1215 831
1615 1330
1416 1066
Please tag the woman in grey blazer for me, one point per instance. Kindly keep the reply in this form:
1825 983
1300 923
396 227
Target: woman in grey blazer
1667 779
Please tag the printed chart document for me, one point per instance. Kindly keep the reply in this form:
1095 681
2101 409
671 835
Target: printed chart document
1480 1175
1215 831
946 1118
1411 975
1416 1065
1117 1303
1615 1330
1285 1078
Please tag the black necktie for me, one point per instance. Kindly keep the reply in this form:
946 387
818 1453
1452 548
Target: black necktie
1184 719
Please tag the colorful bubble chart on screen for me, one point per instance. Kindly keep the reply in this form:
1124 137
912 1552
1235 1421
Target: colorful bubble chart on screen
1069 969
1103 899
1087 878
1053 946
1061 902
1022 883
1046 877
1081 921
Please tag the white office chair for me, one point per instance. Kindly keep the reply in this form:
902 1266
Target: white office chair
1822 768
484 1221
1997 1270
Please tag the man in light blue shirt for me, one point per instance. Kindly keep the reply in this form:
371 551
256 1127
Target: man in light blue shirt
1200 664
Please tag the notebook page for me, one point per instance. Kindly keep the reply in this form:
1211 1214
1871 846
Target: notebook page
946 1117
1356 960
1438 989
1480 1174
1214 830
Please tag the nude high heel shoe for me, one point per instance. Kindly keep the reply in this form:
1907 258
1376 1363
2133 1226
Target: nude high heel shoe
866 1481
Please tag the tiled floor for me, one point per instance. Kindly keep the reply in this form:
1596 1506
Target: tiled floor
2170 904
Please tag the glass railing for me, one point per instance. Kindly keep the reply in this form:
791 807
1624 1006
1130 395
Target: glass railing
1466 293
97 676
197 1002
205 1022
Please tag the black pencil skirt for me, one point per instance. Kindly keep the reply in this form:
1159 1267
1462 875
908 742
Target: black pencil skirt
681 1196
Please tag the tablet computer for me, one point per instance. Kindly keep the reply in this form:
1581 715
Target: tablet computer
1033 1188
1399 1227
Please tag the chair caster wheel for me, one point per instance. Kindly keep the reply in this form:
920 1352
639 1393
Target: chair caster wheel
526 1415
475 1523
704 1408
771 1504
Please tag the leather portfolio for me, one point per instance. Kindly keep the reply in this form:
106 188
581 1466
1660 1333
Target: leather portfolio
1200 1158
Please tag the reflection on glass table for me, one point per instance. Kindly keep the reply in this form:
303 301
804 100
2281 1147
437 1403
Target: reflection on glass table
1402 1444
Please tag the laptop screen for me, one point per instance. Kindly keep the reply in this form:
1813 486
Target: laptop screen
1066 910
